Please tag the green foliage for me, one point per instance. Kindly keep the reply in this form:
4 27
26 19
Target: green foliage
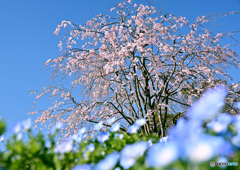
34 155
2 127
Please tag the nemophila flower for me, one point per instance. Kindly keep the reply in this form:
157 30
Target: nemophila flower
132 129
103 136
236 122
126 163
200 151
140 122
64 147
130 153
17 128
164 139
237 105
111 120
150 143
1 138
236 140
91 147
118 136
118 168
82 167
185 131
222 159
161 155
220 124
109 162
115 127
98 126
57 126
26 124
208 106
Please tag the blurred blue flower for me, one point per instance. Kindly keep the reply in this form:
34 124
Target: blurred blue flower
150 143
220 123
56 127
236 122
109 162
161 155
126 163
164 139
82 167
64 147
91 147
1 138
98 126
111 120
208 106
17 128
115 127
103 136
132 129
118 136
130 153
200 151
222 159
118 168
236 140
27 124
140 122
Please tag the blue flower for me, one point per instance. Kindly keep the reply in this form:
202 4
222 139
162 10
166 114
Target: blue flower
130 153
1 138
140 122
98 126
91 147
164 139
26 124
200 151
64 147
109 162
208 106
237 122
161 155
126 162
220 124
17 128
103 136
150 143
118 136
115 127
82 167
56 127
132 129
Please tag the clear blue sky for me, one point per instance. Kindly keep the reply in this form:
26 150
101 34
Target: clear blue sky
27 41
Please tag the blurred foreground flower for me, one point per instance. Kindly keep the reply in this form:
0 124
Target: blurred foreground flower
161 155
130 153
103 136
109 162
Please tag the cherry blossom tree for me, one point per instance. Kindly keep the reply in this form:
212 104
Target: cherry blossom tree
137 63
